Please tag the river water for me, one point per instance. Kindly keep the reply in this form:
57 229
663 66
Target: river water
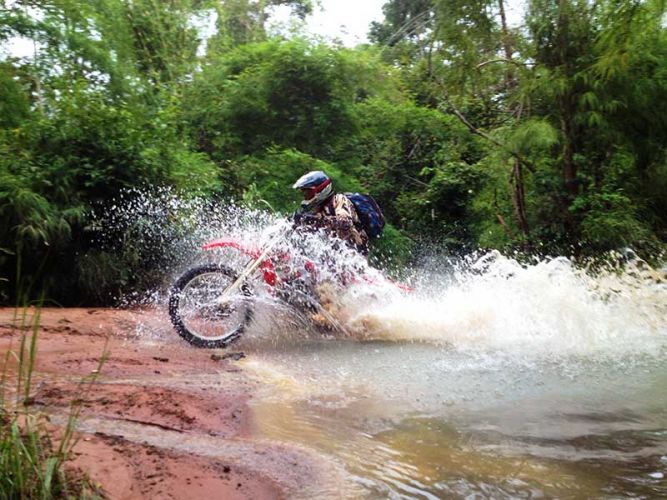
507 380
417 421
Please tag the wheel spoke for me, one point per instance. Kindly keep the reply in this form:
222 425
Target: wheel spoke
199 314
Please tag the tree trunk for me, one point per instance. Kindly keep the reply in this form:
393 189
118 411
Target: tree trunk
510 79
518 193
519 202
567 111
569 168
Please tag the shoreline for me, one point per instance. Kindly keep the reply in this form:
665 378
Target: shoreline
163 419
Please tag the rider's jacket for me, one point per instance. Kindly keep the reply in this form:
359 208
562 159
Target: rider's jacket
339 216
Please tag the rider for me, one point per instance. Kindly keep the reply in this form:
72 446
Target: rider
323 208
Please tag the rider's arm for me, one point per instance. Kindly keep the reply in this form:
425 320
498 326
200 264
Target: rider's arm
340 219
338 223
344 219
306 220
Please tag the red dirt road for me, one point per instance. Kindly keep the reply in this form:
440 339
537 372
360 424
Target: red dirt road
163 419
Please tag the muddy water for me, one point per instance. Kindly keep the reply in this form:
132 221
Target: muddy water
411 420
494 379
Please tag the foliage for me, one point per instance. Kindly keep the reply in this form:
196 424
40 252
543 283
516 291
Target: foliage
392 250
610 220
272 175
241 22
14 103
469 132
275 93
410 154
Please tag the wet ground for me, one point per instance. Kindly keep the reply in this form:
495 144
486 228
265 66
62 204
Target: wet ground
162 420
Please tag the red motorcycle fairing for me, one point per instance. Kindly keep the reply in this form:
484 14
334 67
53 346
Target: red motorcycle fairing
268 271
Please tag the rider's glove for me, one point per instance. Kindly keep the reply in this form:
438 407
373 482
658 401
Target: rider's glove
302 219
340 224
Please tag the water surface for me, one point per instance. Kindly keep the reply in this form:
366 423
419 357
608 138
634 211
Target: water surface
418 421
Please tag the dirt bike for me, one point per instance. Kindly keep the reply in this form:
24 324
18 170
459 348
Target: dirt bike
211 304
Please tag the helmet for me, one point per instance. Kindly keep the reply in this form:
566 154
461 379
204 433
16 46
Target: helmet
316 187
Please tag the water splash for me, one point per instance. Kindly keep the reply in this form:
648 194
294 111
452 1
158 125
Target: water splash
480 303
550 306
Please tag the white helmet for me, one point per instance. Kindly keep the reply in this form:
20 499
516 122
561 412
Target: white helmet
316 187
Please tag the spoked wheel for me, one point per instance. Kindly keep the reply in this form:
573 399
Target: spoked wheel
200 311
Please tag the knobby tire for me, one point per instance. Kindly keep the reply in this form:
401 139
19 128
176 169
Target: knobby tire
175 296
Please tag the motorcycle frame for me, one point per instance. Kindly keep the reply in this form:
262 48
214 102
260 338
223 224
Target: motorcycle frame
266 266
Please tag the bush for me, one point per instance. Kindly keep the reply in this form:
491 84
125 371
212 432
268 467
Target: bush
610 222
83 151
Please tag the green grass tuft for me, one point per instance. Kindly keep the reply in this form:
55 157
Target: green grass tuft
32 465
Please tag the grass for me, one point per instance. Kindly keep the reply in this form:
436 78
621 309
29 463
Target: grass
32 459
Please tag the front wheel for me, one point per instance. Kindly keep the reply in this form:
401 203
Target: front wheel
198 312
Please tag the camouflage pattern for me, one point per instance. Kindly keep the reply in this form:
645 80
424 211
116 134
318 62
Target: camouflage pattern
340 217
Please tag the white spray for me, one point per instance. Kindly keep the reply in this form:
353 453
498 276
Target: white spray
481 303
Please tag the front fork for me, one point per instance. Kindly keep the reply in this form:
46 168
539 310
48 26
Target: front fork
250 268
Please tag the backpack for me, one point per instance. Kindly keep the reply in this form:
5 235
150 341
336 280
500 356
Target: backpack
370 216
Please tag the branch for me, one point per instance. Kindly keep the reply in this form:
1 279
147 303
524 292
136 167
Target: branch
406 28
500 218
486 136
416 181
504 225
414 149
502 59
471 127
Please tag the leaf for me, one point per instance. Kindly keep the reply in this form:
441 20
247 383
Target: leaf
531 135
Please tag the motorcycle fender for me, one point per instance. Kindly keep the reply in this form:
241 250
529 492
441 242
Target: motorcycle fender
229 243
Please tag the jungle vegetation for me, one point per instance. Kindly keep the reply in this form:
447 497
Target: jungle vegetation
546 137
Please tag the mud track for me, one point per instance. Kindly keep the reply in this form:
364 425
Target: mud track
162 419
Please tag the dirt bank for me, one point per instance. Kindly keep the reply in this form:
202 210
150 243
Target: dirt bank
162 420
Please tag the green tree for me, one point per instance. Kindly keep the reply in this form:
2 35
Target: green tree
288 94
240 22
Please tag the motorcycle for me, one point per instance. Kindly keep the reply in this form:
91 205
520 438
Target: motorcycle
210 305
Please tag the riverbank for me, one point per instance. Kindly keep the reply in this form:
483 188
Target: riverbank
162 419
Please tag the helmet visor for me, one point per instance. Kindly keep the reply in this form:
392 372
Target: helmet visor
309 193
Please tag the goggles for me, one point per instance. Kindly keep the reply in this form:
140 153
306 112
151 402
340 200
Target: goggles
309 193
